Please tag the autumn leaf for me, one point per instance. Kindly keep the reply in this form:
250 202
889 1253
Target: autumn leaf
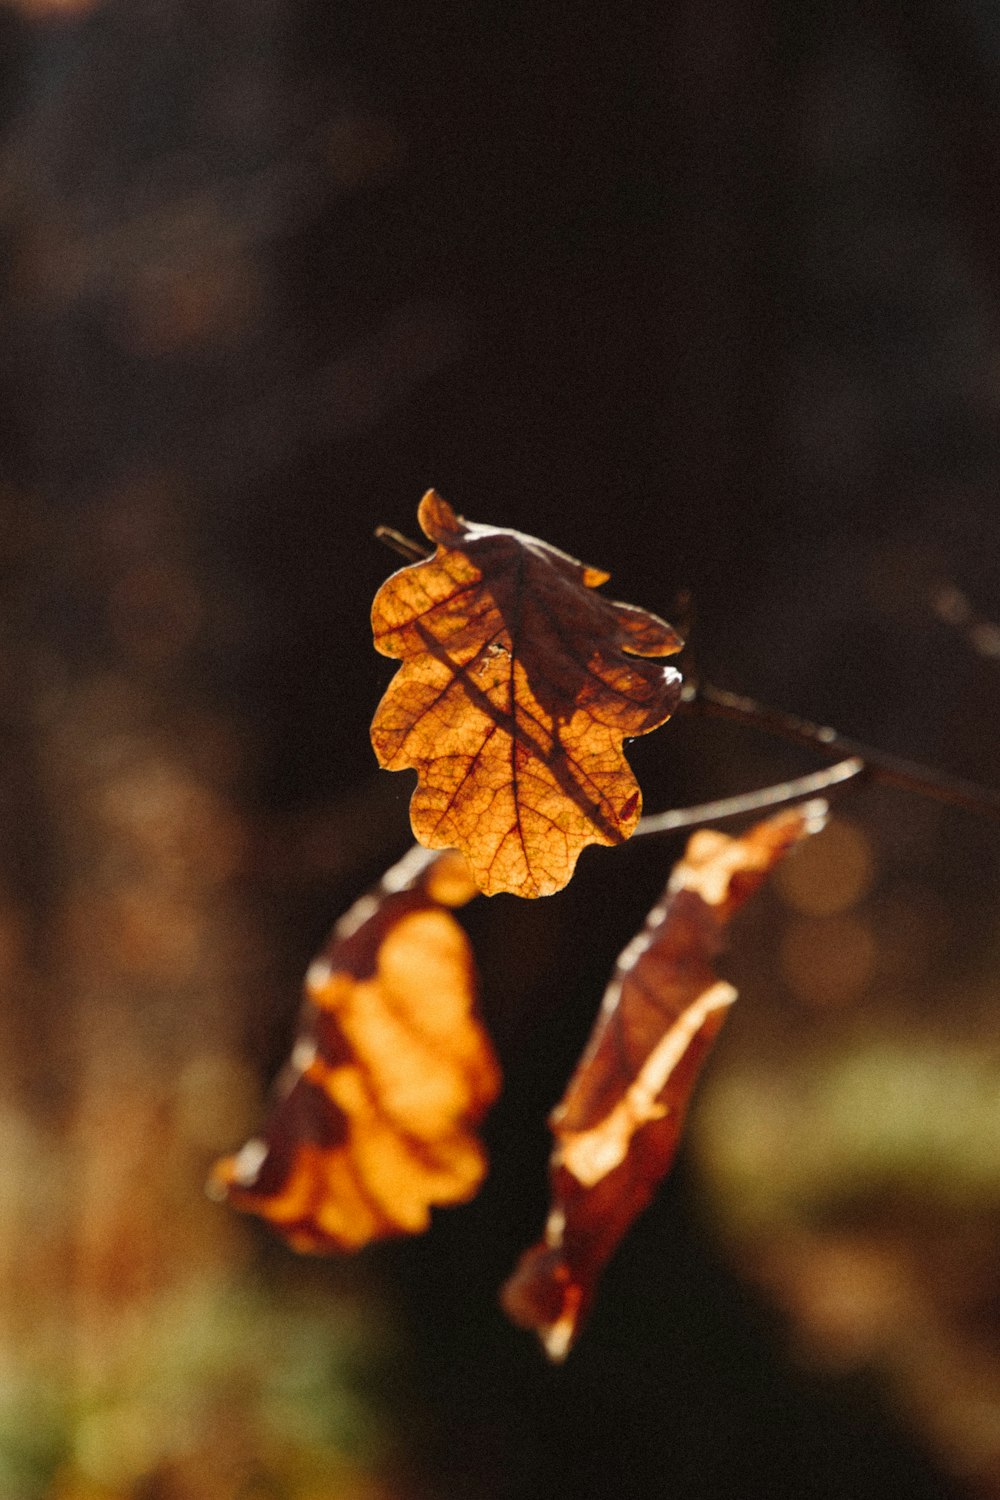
389 1075
618 1125
518 687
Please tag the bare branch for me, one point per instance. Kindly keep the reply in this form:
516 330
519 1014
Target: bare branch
749 803
412 551
718 703
890 770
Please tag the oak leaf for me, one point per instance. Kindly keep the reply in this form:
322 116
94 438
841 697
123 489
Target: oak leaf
390 1073
618 1124
518 687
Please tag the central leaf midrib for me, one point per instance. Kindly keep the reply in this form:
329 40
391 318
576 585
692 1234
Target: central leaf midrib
514 632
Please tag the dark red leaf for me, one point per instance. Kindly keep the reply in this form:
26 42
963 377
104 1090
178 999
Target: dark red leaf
618 1125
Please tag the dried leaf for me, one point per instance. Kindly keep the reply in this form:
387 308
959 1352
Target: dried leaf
389 1075
517 689
618 1125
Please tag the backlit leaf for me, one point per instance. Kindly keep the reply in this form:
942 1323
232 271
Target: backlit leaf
518 687
618 1125
390 1073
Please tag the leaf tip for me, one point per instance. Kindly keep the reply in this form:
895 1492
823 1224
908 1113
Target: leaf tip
594 577
541 1294
438 520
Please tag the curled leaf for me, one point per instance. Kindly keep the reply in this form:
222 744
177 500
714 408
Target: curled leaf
518 687
618 1125
389 1075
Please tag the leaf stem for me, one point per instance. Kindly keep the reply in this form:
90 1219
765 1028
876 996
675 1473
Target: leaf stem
412 551
752 802
889 770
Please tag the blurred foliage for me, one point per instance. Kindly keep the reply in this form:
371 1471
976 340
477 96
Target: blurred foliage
860 1189
854 1174
233 1389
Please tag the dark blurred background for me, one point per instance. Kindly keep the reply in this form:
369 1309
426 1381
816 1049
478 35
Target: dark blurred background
706 294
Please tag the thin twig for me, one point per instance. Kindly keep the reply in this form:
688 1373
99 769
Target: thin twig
890 770
412 551
751 802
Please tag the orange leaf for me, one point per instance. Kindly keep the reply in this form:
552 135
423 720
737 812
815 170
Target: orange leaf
389 1074
518 686
618 1125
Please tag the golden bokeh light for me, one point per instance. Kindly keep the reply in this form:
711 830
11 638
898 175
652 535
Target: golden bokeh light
828 961
828 874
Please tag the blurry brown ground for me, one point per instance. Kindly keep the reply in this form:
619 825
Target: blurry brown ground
705 294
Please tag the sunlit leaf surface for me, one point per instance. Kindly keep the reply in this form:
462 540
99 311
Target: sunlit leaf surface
391 1071
518 687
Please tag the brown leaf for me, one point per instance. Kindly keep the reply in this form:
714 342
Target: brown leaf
618 1125
389 1075
518 686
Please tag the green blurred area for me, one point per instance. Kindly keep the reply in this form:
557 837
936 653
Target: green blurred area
244 1388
